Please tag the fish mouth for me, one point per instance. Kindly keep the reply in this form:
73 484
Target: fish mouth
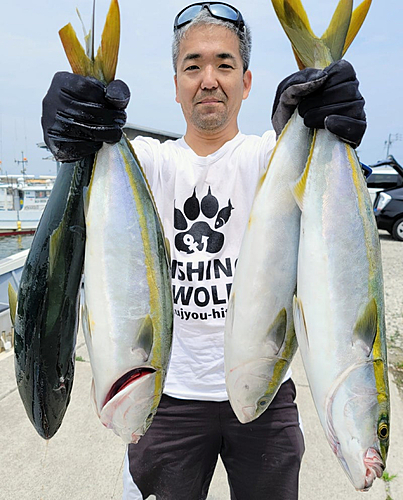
375 467
248 414
127 379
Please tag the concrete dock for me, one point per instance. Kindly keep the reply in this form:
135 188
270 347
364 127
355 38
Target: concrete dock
83 461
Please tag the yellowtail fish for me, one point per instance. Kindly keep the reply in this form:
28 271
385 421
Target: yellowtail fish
127 310
45 313
339 309
260 341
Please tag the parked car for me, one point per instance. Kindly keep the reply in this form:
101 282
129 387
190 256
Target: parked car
385 185
383 178
388 209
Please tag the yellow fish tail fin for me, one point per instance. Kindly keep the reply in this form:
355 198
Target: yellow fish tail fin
82 62
309 50
280 7
357 18
301 65
335 35
107 55
79 61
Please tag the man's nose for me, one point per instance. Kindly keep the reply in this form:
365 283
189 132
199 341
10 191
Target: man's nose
209 80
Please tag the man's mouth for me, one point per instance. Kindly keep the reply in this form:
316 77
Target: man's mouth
209 101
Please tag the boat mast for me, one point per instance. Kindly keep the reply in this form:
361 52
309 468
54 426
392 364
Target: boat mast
23 162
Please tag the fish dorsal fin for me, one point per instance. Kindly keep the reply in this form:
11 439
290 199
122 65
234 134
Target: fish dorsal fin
335 35
366 328
145 337
88 36
357 18
12 300
299 321
107 55
277 331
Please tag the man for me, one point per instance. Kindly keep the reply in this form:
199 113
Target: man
204 185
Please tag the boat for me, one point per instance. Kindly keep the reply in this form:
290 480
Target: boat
22 201
10 272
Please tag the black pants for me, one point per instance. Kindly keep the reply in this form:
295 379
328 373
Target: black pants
176 458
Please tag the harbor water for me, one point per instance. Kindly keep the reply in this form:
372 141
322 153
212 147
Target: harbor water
10 245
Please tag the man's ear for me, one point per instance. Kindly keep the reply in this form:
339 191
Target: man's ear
176 89
247 83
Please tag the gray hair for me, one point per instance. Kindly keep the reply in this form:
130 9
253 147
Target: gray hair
204 17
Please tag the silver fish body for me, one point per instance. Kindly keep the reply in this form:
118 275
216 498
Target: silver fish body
339 312
259 337
127 311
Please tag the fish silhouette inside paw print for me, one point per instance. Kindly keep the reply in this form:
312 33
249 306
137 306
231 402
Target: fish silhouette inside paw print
200 237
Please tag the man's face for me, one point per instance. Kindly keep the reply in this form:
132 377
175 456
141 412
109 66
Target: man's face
210 83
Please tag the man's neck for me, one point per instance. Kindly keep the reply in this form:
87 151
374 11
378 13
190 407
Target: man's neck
204 144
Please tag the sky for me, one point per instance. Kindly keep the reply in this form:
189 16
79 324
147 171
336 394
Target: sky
31 52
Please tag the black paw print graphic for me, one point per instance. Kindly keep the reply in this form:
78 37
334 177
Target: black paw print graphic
200 237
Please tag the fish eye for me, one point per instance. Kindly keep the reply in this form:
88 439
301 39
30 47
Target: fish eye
262 402
383 431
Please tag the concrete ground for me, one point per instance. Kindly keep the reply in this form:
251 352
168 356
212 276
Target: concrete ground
83 461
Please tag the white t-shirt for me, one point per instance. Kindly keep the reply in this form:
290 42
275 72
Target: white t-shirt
204 205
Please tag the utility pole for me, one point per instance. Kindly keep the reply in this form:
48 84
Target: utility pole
392 138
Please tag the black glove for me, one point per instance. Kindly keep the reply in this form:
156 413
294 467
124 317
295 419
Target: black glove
326 98
79 114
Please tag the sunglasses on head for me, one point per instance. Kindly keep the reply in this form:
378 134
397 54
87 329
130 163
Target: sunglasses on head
218 10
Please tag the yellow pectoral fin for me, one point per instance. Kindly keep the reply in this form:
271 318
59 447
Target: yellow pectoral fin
55 242
277 331
12 300
145 337
335 35
366 327
357 18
